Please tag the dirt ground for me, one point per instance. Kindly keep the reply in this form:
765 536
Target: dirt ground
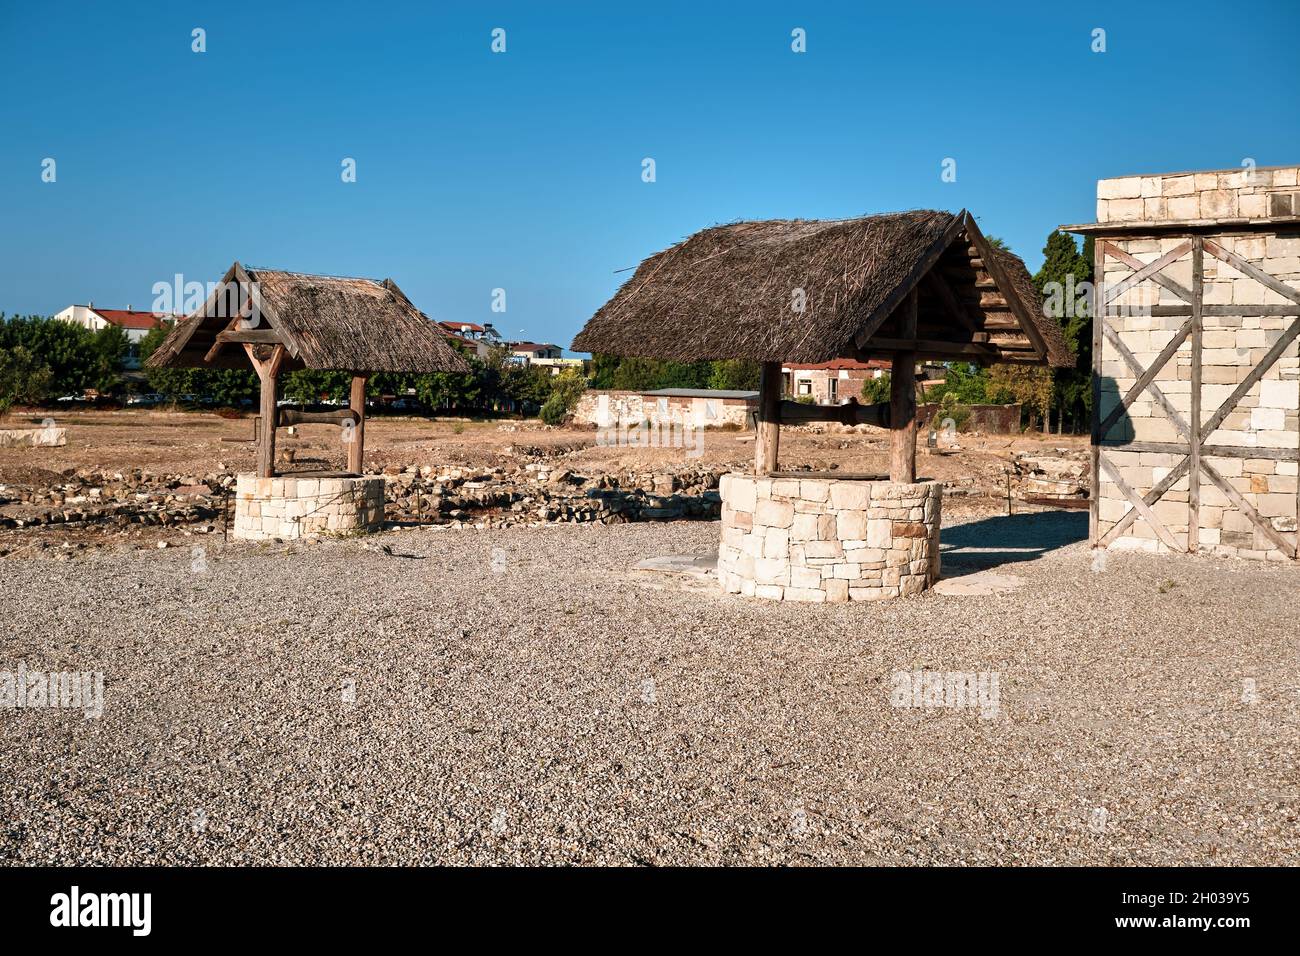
202 442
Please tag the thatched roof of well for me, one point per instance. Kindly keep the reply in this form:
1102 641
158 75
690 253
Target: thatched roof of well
325 322
728 291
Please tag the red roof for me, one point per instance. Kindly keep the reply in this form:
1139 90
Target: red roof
130 319
462 327
838 364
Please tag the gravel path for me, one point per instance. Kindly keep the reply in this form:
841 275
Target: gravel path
521 696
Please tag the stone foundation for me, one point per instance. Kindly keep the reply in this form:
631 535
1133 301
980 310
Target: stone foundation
306 507
32 437
826 539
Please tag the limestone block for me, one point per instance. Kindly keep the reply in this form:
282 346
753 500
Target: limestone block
774 514
851 495
851 524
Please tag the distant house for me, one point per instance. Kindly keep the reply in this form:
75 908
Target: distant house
478 340
135 324
833 382
534 352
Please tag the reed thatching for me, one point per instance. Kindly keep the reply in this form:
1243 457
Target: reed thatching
325 322
733 291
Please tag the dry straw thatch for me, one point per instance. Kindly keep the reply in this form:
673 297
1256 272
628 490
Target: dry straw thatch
730 291
326 322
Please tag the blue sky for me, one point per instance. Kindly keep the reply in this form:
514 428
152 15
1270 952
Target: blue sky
522 170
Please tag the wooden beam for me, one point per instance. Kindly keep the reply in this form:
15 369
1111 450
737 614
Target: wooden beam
943 292
1137 265
1256 373
357 405
1140 504
851 413
908 285
1150 498
1148 272
930 347
1252 270
1194 457
267 365
1004 283
1175 311
292 416
902 403
768 438
1208 451
1147 377
262 336
1283 543
1098 322
1138 371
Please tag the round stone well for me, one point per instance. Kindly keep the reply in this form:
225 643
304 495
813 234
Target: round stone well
818 538
306 506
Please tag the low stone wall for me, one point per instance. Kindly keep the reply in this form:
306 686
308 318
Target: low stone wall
825 539
306 507
32 437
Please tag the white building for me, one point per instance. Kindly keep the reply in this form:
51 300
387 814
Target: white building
135 324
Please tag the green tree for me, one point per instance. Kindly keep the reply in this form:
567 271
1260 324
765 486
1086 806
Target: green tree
733 374
1063 281
24 379
603 368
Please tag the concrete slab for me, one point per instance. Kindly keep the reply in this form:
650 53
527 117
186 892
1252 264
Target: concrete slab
979 584
695 565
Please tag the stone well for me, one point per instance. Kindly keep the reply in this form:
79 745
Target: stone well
306 507
828 539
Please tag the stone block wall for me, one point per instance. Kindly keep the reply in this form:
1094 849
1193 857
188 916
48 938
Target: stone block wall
824 539
1253 193
1267 417
306 507
607 408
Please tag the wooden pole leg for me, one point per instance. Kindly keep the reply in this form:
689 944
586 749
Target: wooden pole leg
902 402
768 439
357 444
266 361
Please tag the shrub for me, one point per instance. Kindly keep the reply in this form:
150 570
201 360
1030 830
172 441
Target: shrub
23 379
554 412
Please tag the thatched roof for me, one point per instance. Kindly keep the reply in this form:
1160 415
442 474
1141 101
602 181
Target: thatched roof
731 292
324 322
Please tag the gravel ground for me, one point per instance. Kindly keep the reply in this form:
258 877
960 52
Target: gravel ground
504 713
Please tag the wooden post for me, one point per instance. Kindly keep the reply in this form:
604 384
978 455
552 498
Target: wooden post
768 437
357 447
1098 317
902 401
266 361
1194 452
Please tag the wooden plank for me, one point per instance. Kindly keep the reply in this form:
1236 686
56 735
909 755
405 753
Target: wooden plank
1147 271
1284 544
908 285
1194 456
1138 371
1028 322
1256 373
1137 265
1094 450
1207 451
1140 504
1252 270
1147 377
1151 497
1174 311
930 347
851 413
902 403
260 336
292 416
357 405
768 438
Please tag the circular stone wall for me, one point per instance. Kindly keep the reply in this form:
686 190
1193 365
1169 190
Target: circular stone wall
827 539
306 507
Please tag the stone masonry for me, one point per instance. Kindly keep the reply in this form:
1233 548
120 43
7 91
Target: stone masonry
1267 417
306 507
825 539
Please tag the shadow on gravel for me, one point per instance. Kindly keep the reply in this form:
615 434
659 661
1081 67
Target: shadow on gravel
1007 539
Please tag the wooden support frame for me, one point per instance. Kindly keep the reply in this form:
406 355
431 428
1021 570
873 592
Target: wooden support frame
902 401
266 360
1197 432
357 433
767 439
